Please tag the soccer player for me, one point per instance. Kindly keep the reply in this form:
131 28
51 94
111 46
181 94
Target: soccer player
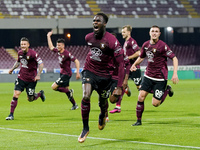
96 73
65 58
113 98
155 77
28 76
131 49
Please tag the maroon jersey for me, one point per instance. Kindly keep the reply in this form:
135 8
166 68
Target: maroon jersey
127 66
130 47
29 62
65 59
101 53
157 55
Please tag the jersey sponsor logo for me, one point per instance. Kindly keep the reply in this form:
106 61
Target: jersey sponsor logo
150 56
24 63
96 53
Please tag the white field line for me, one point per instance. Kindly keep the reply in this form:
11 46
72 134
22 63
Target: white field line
104 139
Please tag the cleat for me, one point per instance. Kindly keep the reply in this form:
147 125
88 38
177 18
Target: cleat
83 136
107 119
71 92
115 110
128 91
138 123
42 95
74 107
102 122
171 93
10 117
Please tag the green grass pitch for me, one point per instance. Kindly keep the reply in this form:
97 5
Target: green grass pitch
51 125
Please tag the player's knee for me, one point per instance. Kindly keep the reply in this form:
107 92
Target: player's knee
156 103
53 88
30 98
141 98
113 99
86 98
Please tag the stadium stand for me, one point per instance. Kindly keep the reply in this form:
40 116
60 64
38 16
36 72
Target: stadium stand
87 8
187 55
50 58
6 60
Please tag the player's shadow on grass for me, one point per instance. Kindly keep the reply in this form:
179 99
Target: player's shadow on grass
164 122
117 141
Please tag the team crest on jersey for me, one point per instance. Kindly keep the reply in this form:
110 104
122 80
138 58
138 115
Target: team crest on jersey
154 50
28 57
102 45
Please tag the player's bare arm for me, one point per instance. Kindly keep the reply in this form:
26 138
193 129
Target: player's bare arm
135 55
119 60
77 64
137 62
125 83
16 65
50 44
40 68
175 79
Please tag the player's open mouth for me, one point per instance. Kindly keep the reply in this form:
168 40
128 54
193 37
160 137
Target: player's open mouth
96 28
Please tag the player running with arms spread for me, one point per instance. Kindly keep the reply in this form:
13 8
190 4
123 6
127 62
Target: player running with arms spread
96 73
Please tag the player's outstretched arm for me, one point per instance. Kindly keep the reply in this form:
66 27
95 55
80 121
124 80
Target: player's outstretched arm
50 44
16 64
77 64
175 79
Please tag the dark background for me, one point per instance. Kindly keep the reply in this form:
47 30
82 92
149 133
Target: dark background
9 38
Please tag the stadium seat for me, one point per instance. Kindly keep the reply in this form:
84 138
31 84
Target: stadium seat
117 8
187 55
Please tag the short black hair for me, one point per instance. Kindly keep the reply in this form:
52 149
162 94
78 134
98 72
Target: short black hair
105 17
61 40
24 39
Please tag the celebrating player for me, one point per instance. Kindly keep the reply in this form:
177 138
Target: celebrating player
155 77
96 73
65 58
29 61
132 50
